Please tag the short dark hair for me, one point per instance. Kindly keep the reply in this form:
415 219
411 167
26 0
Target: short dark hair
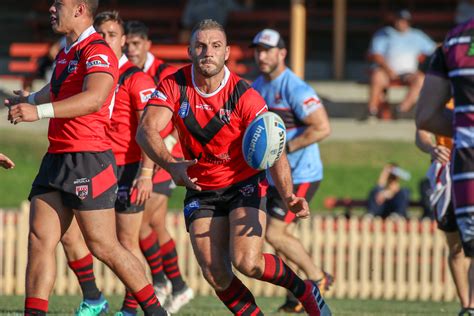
107 16
208 24
136 28
91 5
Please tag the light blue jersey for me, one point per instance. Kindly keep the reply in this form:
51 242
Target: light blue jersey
401 49
293 99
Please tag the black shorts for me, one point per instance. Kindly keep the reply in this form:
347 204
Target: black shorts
165 187
126 198
85 180
216 203
277 208
448 222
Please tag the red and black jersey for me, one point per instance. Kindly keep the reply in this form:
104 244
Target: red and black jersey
89 54
134 88
157 68
211 126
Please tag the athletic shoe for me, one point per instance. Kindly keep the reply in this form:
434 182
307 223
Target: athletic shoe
179 299
325 283
88 309
162 291
123 313
291 307
313 301
466 312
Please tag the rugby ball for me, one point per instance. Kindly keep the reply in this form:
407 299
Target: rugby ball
264 141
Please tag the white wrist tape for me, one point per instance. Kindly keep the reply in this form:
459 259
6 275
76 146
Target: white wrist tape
45 110
31 98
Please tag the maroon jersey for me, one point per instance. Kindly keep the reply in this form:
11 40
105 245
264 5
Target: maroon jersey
133 91
157 68
211 126
89 54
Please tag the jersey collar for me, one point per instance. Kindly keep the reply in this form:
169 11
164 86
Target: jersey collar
149 61
88 32
221 86
122 60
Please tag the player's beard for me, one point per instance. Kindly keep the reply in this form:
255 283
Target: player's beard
269 68
208 72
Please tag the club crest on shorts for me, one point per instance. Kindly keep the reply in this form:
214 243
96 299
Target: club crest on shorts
247 190
191 207
82 191
183 109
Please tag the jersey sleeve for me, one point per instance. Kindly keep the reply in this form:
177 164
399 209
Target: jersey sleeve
437 65
166 95
141 87
304 101
252 105
100 58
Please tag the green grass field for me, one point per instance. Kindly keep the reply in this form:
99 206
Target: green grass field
64 305
350 168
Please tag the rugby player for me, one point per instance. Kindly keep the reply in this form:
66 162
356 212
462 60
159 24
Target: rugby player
223 208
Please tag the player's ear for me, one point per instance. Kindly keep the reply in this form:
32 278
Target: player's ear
147 45
227 52
283 53
80 9
190 54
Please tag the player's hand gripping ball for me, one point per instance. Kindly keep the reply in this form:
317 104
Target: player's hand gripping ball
264 141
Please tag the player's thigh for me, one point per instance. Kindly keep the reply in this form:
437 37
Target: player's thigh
210 240
49 219
454 242
128 227
247 227
153 205
98 227
72 238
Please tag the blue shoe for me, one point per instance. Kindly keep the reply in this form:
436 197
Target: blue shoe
124 313
88 309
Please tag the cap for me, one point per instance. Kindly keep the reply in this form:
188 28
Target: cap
403 14
268 38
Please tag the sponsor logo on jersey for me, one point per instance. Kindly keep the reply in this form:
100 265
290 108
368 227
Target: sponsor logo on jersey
72 66
311 102
217 159
224 115
183 109
146 94
82 191
157 94
191 207
247 190
205 107
62 61
99 60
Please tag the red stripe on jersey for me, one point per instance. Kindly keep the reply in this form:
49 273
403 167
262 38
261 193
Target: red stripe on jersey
103 181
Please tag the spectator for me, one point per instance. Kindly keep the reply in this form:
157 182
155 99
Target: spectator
197 10
388 196
396 51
